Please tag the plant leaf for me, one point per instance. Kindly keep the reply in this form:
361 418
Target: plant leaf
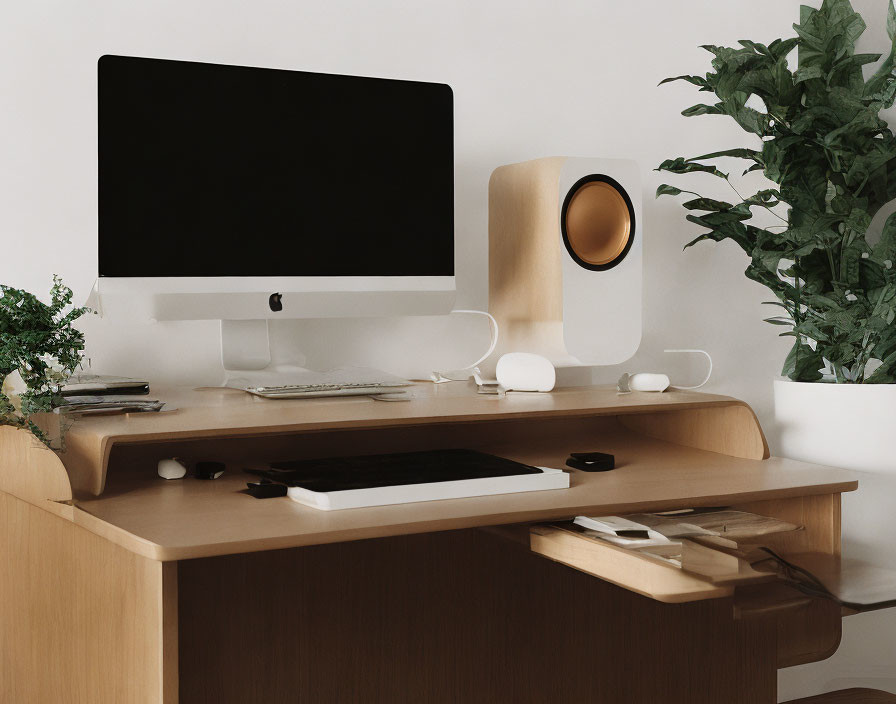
707 204
681 165
701 109
735 153
803 363
664 189
695 80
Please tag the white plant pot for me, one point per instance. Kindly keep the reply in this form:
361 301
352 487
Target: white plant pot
851 426
844 425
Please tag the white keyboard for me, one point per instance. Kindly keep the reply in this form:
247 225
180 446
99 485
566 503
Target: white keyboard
348 382
314 390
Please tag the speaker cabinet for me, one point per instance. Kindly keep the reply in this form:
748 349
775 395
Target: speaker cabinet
565 258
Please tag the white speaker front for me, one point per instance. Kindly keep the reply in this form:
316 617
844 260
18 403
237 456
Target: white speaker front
601 284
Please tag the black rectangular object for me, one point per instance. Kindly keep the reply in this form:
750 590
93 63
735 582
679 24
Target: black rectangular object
265 489
397 469
591 461
213 170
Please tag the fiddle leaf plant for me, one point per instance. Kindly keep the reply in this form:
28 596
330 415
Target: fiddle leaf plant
820 139
38 341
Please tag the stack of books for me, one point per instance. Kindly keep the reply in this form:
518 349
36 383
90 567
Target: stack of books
96 385
91 394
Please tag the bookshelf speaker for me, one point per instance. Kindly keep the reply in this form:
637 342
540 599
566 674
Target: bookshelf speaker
565 258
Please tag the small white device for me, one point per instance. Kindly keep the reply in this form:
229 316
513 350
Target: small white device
645 381
172 469
659 382
524 371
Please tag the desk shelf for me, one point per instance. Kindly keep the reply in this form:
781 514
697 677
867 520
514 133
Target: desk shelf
192 518
712 422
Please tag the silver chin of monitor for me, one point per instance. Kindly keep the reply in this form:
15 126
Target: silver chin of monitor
244 305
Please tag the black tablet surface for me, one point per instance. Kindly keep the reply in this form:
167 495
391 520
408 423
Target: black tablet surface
397 469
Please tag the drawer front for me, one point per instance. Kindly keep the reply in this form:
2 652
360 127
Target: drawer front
638 572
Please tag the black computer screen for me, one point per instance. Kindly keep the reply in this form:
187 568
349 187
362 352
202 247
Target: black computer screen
209 170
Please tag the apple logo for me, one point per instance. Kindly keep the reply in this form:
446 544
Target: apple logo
276 302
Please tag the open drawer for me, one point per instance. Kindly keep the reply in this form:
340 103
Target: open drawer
702 572
641 572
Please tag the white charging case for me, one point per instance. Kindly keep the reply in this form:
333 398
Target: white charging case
523 371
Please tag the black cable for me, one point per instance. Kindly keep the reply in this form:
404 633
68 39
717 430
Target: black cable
816 587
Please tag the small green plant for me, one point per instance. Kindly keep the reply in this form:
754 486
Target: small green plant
39 342
821 140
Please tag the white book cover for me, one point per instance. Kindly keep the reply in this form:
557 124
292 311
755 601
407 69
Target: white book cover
608 528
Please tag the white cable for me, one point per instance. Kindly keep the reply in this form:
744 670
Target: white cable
466 372
708 373
494 331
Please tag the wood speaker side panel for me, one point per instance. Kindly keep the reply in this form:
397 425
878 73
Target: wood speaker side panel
525 286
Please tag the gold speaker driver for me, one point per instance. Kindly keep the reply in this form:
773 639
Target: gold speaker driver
597 222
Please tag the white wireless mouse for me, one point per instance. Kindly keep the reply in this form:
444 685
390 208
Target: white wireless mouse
171 469
523 371
648 382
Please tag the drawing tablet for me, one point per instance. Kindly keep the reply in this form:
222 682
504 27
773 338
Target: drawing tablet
375 480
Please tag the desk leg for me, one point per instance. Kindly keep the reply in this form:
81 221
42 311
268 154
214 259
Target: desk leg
82 621
168 635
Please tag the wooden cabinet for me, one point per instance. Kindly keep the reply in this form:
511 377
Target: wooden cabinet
118 586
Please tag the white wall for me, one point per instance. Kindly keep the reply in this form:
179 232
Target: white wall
531 79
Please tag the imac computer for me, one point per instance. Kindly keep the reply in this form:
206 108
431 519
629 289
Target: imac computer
248 194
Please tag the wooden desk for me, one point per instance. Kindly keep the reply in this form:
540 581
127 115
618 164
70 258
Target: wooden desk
117 586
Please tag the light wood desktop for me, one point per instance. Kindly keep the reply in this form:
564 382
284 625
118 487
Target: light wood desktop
117 586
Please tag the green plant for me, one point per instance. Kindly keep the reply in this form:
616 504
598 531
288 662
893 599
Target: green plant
39 342
833 160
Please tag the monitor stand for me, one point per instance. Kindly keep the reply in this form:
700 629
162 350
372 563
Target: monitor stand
246 355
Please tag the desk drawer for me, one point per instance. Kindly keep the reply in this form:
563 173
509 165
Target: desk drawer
708 574
637 572
711 574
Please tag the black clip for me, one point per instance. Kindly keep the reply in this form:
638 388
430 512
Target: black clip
265 489
591 461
